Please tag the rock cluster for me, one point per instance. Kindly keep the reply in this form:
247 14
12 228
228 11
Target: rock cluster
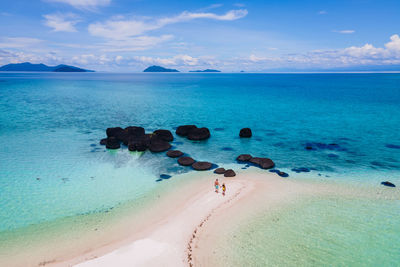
136 139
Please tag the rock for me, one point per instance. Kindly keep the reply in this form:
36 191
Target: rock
245 132
135 131
387 183
302 169
199 134
165 135
158 145
174 153
202 165
114 131
185 129
112 143
139 143
220 171
103 141
283 174
244 157
186 161
230 173
264 163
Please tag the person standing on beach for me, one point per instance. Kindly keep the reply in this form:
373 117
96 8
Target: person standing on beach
223 189
216 184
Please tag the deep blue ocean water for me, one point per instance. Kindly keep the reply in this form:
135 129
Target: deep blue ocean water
52 165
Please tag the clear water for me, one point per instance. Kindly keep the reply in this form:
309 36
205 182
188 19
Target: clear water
50 124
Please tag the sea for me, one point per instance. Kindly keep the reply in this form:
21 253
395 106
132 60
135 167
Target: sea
335 127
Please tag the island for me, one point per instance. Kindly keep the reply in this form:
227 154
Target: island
27 66
159 69
206 70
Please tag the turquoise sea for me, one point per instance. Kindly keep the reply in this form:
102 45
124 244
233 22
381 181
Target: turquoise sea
52 166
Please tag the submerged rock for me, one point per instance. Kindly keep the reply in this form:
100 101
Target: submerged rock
220 171
185 129
186 161
165 135
302 169
230 173
245 132
174 153
387 183
201 165
283 174
244 157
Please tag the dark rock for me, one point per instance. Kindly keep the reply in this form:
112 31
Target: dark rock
186 161
199 134
309 148
135 131
174 153
244 157
158 145
220 171
165 176
245 132
140 143
112 143
114 132
393 146
103 141
202 165
165 135
283 174
230 173
185 129
387 183
274 170
302 169
264 163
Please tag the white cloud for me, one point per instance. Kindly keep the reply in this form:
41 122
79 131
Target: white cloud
61 22
322 12
345 31
83 4
19 42
137 43
120 28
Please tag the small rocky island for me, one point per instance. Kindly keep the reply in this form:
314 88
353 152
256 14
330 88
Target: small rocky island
159 69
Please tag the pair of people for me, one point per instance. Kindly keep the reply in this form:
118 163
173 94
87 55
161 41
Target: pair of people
223 187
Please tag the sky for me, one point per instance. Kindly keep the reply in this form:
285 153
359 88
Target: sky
256 36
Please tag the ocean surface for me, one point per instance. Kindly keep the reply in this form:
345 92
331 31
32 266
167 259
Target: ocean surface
52 166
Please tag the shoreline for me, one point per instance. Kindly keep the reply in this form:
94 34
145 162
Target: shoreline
181 225
172 239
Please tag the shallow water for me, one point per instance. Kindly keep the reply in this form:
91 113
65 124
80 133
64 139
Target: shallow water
52 165
334 231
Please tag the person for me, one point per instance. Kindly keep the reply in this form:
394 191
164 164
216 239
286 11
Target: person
223 189
216 184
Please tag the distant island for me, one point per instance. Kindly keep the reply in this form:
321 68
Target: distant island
159 69
27 66
206 70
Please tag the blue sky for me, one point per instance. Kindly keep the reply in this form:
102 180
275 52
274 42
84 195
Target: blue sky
122 35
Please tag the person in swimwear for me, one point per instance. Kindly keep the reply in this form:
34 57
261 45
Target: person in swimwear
223 189
216 184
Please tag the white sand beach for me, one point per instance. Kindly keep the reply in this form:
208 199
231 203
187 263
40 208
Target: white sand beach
172 241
